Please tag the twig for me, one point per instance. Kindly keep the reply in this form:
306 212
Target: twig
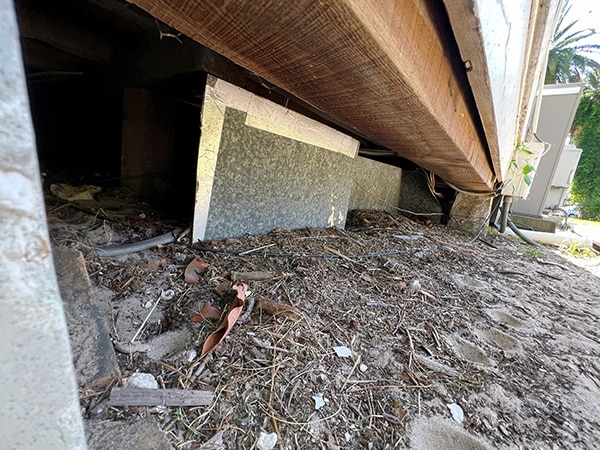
381 304
341 255
390 386
256 249
549 276
437 366
276 428
427 295
412 348
310 422
162 295
351 372
127 283
144 322
200 369
549 263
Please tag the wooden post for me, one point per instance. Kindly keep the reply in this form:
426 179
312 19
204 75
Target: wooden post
148 141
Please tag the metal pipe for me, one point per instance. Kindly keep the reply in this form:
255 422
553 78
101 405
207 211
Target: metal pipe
506 203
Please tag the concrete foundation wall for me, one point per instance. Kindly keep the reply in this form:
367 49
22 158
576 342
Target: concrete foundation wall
39 406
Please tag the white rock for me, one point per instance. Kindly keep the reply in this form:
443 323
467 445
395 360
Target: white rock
343 351
319 401
191 355
141 380
457 413
266 441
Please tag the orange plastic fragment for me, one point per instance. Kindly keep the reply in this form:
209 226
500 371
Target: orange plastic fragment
213 341
194 269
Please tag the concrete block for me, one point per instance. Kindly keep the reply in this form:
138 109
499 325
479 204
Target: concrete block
93 353
470 213
535 223
262 166
375 185
39 406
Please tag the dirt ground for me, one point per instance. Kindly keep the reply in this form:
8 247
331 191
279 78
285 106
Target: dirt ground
394 334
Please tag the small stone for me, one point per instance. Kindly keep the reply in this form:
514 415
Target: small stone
457 413
343 351
414 287
141 380
319 401
191 355
266 441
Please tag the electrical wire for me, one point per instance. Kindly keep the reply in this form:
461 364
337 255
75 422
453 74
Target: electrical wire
309 255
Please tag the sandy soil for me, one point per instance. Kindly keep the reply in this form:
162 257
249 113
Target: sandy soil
494 332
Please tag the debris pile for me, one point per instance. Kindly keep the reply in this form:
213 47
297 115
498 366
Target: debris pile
388 334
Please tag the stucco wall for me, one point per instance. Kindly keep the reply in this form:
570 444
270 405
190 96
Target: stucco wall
39 407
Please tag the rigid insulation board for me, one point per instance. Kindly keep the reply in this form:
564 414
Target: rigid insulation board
262 166
416 197
375 185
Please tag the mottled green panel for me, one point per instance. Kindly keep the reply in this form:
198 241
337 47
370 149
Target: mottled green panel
263 181
415 196
375 185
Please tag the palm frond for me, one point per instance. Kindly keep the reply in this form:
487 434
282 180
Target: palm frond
567 61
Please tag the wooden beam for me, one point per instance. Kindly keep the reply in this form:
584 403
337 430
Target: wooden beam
123 396
384 69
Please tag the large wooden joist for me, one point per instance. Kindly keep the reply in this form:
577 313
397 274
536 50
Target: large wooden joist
386 69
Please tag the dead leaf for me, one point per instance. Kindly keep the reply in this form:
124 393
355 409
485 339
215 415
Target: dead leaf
194 269
222 288
209 311
427 295
275 308
214 443
437 366
399 410
154 265
253 276
213 341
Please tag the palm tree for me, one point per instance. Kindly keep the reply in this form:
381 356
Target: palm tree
566 60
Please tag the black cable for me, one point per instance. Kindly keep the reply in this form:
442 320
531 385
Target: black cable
308 255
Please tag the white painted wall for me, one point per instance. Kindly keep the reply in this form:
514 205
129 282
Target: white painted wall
39 406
